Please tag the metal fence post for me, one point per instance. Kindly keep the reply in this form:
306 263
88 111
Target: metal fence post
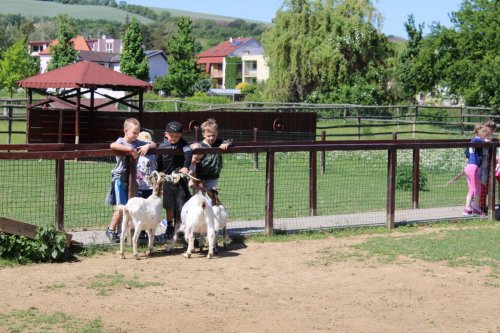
391 187
269 193
256 155
10 113
359 127
416 178
323 154
313 193
462 120
415 117
60 194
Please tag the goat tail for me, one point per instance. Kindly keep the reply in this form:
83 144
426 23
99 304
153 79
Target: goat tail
125 212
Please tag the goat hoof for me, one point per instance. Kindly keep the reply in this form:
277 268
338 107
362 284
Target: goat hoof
169 250
210 256
187 255
137 257
122 255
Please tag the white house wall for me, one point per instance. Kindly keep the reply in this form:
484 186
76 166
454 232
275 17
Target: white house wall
262 71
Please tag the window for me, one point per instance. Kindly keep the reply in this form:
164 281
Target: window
109 47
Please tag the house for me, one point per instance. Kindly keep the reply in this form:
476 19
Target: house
104 51
103 45
157 61
253 67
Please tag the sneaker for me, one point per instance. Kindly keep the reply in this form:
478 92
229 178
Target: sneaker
467 212
169 233
478 212
112 236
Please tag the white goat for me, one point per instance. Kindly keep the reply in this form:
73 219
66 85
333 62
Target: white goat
220 217
143 214
197 216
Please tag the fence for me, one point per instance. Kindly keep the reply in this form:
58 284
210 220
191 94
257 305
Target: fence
298 185
333 121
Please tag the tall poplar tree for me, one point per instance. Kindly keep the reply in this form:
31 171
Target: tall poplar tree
63 53
16 64
133 60
183 71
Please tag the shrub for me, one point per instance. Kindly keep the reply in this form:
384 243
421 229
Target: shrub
404 178
202 85
48 246
433 115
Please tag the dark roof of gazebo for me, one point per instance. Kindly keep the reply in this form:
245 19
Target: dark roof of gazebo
84 74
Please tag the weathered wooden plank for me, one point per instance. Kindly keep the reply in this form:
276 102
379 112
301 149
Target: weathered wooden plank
18 228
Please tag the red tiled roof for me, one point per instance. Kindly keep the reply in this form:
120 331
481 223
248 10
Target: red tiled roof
223 49
79 43
83 74
211 60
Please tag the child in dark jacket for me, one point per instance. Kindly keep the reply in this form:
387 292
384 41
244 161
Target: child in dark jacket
168 163
209 168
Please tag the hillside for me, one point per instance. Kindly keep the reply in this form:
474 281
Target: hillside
33 8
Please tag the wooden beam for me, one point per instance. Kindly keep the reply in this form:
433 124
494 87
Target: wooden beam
18 228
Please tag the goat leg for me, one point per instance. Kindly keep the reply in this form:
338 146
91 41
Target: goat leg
151 248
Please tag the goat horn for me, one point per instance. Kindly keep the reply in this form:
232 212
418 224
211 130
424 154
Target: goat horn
185 175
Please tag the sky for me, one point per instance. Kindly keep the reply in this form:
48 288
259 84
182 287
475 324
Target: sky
394 12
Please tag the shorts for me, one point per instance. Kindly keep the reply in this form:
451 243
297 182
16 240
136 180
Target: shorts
171 192
210 184
118 193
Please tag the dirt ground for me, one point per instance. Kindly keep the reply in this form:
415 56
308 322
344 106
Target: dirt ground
271 287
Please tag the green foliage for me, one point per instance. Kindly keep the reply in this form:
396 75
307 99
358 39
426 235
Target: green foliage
463 59
202 85
315 47
16 65
404 178
184 72
407 73
48 246
133 60
231 73
434 115
63 53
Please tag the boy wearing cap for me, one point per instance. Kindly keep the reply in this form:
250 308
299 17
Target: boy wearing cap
168 163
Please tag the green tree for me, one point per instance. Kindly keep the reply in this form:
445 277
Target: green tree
183 70
406 72
133 60
317 50
63 53
464 59
16 65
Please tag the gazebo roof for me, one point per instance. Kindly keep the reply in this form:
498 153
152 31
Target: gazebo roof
84 74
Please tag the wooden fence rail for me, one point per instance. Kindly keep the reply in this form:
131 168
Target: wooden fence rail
62 152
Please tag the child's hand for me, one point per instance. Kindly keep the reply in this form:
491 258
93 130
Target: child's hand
134 153
143 150
184 170
224 146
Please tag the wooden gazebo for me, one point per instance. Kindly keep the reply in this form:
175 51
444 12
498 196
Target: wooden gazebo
65 87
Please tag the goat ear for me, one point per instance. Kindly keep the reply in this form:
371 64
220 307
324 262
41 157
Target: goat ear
154 179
